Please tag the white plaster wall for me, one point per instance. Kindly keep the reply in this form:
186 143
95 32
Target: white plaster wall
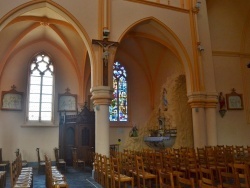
227 22
233 128
178 22
27 139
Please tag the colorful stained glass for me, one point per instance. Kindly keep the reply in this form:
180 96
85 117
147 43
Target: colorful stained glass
118 109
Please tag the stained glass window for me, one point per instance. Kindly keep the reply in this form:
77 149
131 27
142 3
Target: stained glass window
40 89
118 110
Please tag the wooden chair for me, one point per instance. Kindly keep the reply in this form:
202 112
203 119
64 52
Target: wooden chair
130 166
228 180
77 163
24 162
166 179
158 162
117 176
141 174
19 176
106 172
192 166
201 154
54 179
212 157
207 176
183 163
41 164
102 169
185 183
98 168
60 163
242 171
90 156
204 185
2 178
3 164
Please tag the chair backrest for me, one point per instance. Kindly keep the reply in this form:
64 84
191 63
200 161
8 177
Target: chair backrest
203 185
201 153
166 179
207 176
139 165
38 154
115 166
185 183
158 160
1 157
228 180
56 151
242 171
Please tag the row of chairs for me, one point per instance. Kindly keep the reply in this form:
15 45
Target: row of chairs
60 163
53 177
186 161
20 176
109 173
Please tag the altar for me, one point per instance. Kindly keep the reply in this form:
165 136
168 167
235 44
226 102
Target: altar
163 136
161 142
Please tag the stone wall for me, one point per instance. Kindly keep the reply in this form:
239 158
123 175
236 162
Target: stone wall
175 109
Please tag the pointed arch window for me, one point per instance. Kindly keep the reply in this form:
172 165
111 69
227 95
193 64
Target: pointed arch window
41 83
118 110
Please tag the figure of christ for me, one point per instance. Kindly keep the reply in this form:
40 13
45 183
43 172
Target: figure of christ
105 44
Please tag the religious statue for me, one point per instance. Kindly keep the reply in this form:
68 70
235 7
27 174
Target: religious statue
134 132
105 55
164 99
105 44
222 103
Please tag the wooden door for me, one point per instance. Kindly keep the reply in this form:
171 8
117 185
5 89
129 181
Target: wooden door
77 131
86 140
69 143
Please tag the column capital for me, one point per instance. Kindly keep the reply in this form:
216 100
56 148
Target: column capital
203 100
101 95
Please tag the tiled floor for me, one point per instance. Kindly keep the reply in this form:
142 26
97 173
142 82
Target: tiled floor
75 178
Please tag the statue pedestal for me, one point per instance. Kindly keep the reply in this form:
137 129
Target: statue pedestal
160 142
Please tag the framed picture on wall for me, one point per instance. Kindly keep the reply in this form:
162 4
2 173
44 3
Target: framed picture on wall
67 102
12 99
234 101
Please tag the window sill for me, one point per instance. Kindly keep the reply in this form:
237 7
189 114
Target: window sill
40 124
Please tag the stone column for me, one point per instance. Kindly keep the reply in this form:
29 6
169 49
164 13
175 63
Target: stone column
101 96
199 127
204 118
197 103
212 100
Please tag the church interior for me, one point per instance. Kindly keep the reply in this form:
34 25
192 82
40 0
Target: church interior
185 68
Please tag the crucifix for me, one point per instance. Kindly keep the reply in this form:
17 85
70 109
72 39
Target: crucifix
105 44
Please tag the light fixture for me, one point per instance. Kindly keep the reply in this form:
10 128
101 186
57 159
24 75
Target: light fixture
200 47
197 7
105 33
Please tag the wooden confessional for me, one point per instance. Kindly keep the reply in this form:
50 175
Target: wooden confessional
77 131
